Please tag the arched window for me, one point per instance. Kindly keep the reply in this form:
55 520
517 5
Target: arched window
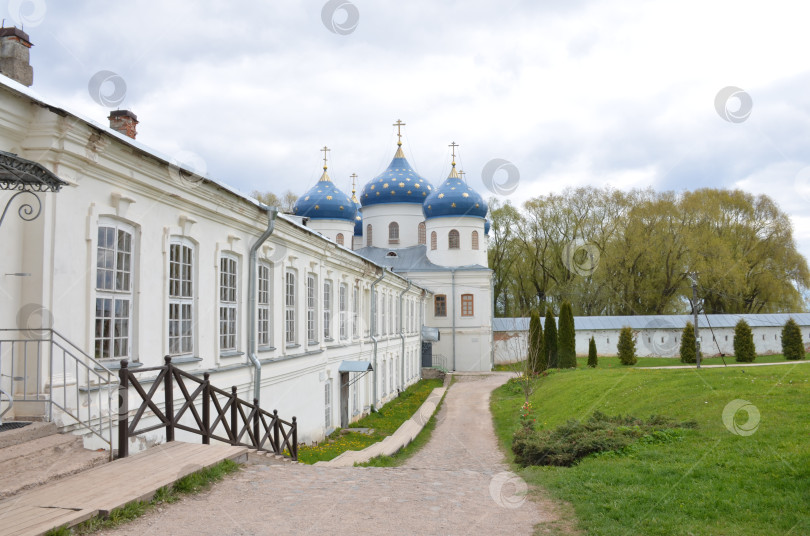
452 239
433 240
393 233
422 233
475 239
339 238
368 235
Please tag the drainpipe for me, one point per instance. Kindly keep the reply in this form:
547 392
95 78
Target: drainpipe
421 321
272 212
492 315
402 336
374 329
453 289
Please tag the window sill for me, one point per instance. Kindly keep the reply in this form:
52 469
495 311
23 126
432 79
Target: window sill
116 364
263 349
313 343
179 360
289 346
328 339
232 353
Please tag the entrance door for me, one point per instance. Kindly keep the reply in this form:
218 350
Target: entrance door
344 399
427 354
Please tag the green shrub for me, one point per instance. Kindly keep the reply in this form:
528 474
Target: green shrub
744 349
567 338
572 441
627 346
792 344
537 359
688 354
592 359
550 340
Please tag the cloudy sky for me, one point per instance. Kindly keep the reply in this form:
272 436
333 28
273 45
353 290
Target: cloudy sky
571 92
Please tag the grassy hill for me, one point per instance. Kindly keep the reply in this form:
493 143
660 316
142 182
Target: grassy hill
711 481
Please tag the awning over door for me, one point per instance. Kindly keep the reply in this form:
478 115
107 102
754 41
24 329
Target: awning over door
430 334
355 366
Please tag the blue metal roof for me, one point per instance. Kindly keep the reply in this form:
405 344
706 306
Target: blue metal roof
399 183
454 198
325 201
355 366
596 323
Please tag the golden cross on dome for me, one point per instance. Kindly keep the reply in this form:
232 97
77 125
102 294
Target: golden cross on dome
354 180
325 150
453 148
399 124
462 173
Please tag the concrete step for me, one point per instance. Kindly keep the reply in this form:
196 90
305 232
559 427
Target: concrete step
32 463
32 430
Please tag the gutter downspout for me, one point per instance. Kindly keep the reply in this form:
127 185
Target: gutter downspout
272 212
374 330
492 315
421 322
402 336
453 288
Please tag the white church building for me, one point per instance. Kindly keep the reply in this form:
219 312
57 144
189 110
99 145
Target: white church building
111 251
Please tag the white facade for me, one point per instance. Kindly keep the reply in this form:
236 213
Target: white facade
405 219
179 251
465 248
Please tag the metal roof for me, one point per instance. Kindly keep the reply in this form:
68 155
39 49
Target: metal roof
355 366
596 323
410 259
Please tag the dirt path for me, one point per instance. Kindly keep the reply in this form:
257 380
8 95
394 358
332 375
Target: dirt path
457 484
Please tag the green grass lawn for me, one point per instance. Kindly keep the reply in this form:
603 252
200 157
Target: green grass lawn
384 422
711 482
613 362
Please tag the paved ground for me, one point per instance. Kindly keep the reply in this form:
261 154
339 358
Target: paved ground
457 484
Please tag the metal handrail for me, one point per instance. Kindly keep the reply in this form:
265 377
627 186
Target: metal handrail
46 378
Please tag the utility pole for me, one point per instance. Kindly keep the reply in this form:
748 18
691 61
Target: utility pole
693 278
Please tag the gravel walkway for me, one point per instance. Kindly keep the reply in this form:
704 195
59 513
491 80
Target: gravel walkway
457 484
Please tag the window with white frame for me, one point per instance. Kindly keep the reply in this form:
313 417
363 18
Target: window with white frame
396 315
355 310
393 233
327 404
263 305
181 297
344 329
289 308
227 303
383 315
391 376
312 321
114 291
327 309
382 366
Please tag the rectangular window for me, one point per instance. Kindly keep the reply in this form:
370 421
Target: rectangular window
312 322
264 305
344 290
384 316
382 366
327 309
227 303
467 308
355 310
289 308
181 297
440 305
113 292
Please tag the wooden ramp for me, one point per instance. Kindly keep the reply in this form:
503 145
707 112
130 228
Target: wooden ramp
99 490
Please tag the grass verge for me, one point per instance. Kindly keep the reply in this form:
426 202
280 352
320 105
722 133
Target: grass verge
193 483
608 362
710 481
385 422
411 448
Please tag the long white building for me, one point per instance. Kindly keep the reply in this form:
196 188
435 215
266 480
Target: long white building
112 251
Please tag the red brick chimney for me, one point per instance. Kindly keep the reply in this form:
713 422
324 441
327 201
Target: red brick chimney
14 56
124 121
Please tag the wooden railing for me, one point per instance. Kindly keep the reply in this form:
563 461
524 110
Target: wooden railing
235 421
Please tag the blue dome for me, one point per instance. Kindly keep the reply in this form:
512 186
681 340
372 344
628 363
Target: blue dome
454 198
487 225
325 201
397 184
358 219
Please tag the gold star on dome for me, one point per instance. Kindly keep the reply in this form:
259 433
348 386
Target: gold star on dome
341 207
306 198
409 192
317 207
430 207
417 185
453 205
372 186
441 196
385 185
476 205
329 197
402 185
393 192
465 194
424 194
378 193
